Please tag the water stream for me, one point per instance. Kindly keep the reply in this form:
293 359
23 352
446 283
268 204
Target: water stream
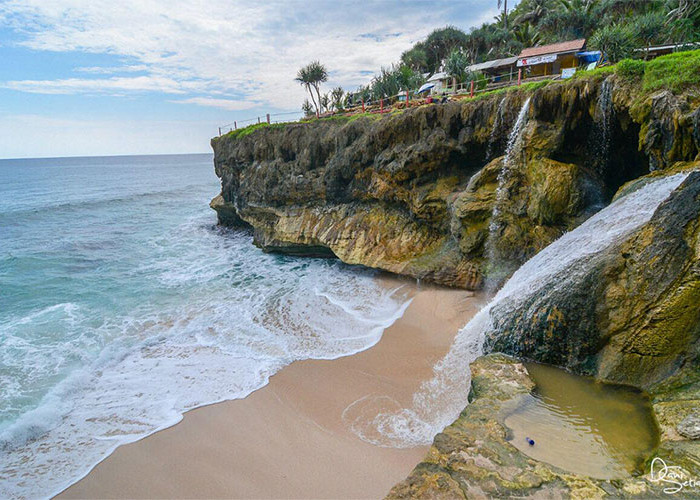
564 262
497 272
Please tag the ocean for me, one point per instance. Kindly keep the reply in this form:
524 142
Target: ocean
123 305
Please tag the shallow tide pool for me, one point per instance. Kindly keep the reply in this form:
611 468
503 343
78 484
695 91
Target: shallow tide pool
583 426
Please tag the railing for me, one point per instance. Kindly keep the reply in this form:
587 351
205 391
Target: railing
267 118
402 100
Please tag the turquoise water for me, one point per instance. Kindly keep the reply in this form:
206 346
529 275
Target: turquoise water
122 305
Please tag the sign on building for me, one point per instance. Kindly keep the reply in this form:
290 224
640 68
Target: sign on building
531 61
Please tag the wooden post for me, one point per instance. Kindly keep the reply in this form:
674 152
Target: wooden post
235 125
363 105
407 98
471 89
381 105
520 75
268 118
219 131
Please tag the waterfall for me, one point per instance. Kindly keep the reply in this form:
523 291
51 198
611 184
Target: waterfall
496 274
497 125
440 400
603 121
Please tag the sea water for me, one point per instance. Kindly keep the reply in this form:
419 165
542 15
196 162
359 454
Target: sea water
123 304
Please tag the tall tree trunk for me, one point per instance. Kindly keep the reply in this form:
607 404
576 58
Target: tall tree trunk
311 93
318 92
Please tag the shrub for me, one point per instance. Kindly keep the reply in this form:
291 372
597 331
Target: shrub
630 68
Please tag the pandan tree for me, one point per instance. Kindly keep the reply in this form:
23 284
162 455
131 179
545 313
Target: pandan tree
338 98
456 66
311 76
615 41
307 108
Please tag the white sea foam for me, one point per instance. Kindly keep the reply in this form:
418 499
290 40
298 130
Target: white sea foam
136 373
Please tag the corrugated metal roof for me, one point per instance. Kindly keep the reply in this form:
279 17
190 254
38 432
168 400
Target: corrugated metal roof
496 63
437 76
554 48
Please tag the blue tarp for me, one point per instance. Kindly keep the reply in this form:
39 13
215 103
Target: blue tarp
589 57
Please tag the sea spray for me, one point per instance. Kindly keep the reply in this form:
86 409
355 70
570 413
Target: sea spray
498 267
440 400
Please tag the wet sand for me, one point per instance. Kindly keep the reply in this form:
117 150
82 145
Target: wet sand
288 439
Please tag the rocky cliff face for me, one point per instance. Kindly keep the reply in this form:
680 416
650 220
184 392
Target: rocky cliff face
427 192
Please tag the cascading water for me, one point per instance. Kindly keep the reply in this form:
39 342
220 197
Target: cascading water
603 121
497 273
497 125
441 399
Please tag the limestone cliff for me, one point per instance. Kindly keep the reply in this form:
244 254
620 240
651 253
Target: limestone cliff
426 192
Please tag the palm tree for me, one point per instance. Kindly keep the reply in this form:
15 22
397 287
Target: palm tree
585 6
505 12
312 75
537 9
526 35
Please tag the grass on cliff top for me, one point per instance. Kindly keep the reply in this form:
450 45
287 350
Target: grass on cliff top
242 132
675 72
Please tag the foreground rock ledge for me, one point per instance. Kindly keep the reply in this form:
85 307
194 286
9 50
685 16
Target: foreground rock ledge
472 459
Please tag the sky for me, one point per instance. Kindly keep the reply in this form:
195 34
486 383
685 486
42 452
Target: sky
108 77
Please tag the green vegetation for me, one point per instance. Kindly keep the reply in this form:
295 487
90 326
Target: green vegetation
630 68
311 76
245 131
615 41
674 72
619 28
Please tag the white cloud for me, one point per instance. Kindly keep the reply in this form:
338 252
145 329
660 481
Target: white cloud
103 85
229 104
229 49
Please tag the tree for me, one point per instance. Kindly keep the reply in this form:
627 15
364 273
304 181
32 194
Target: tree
307 108
440 43
456 66
505 12
647 28
534 11
337 98
526 35
325 101
416 58
615 41
311 76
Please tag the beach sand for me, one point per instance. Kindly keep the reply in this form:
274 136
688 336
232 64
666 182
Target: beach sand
289 439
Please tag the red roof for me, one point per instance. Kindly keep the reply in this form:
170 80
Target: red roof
554 48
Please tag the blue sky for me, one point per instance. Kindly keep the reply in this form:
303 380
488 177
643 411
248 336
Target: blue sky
100 77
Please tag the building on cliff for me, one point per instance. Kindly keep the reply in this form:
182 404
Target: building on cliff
550 59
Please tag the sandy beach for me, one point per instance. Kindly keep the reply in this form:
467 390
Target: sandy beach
289 439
